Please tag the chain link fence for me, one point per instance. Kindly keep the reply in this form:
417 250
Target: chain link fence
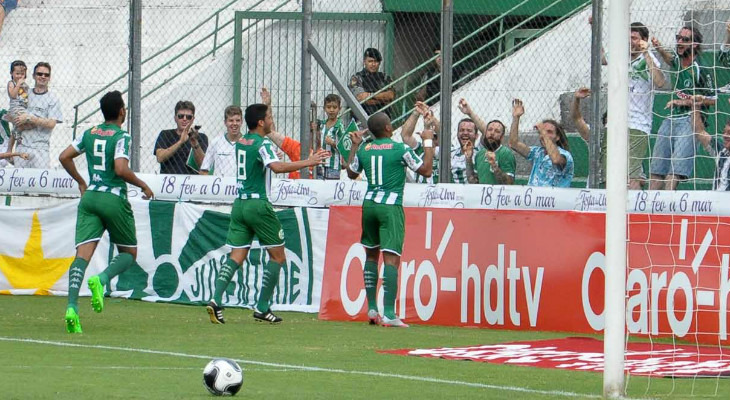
534 50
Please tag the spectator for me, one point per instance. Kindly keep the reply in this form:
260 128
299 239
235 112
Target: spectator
368 81
292 148
721 151
493 164
421 110
220 158
6 142
429 93
694 87
552 163
36 126
635 159
181 150
332 133
644 76
462 156
5 7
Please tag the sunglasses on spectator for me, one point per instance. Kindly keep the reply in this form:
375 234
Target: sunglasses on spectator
185 116
683 38
43 74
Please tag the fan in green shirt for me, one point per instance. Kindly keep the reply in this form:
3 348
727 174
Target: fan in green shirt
494 164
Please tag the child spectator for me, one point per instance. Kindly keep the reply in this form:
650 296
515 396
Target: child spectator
331 133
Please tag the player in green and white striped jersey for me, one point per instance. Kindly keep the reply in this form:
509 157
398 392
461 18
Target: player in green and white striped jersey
103 205
252 214
383 221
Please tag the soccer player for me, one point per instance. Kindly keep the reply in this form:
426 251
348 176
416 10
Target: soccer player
252 214
383 220
103 205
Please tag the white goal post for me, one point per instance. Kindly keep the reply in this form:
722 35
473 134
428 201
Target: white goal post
615 295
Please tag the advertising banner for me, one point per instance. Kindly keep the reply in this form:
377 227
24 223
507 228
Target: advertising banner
538 270
315 193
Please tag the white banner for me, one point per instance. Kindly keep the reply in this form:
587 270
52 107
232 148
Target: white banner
319 193
181 248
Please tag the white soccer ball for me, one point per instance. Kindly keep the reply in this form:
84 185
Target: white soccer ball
223 377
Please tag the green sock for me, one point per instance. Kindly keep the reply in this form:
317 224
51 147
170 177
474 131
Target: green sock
268 283
119 264
75 277
224 278
370 275
390 289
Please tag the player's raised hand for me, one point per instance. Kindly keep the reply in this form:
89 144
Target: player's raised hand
518 109
319 156
427 134
148 195
265 96
464 107
582 93
643 46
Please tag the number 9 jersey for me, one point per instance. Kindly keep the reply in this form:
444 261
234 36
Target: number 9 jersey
103 144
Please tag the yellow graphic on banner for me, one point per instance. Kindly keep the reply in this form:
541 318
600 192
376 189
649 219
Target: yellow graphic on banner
33 270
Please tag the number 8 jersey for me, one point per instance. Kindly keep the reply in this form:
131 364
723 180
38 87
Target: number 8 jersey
253 154
103 144
383 161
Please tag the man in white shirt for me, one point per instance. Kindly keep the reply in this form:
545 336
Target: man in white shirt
36 126
220 159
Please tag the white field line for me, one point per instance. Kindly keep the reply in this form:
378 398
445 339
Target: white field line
312 369
126 367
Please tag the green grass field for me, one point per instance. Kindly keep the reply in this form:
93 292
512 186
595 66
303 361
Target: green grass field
139 350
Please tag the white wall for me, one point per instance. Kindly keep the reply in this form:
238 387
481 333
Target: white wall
86 43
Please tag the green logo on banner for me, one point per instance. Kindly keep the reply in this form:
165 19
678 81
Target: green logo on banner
189 249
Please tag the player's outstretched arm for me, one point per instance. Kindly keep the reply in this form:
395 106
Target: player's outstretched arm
67 162
315 158
121 168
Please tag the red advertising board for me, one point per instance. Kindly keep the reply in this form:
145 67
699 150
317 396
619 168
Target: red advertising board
541 270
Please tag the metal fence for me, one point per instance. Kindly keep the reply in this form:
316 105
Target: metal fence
535 50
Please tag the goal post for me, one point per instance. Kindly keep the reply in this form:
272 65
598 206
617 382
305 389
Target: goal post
616 193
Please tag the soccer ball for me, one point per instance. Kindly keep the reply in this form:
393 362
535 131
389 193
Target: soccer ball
223 377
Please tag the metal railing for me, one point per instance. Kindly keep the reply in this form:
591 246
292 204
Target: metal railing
503 53
214 34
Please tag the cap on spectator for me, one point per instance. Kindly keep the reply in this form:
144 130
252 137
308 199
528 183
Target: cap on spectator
373 53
